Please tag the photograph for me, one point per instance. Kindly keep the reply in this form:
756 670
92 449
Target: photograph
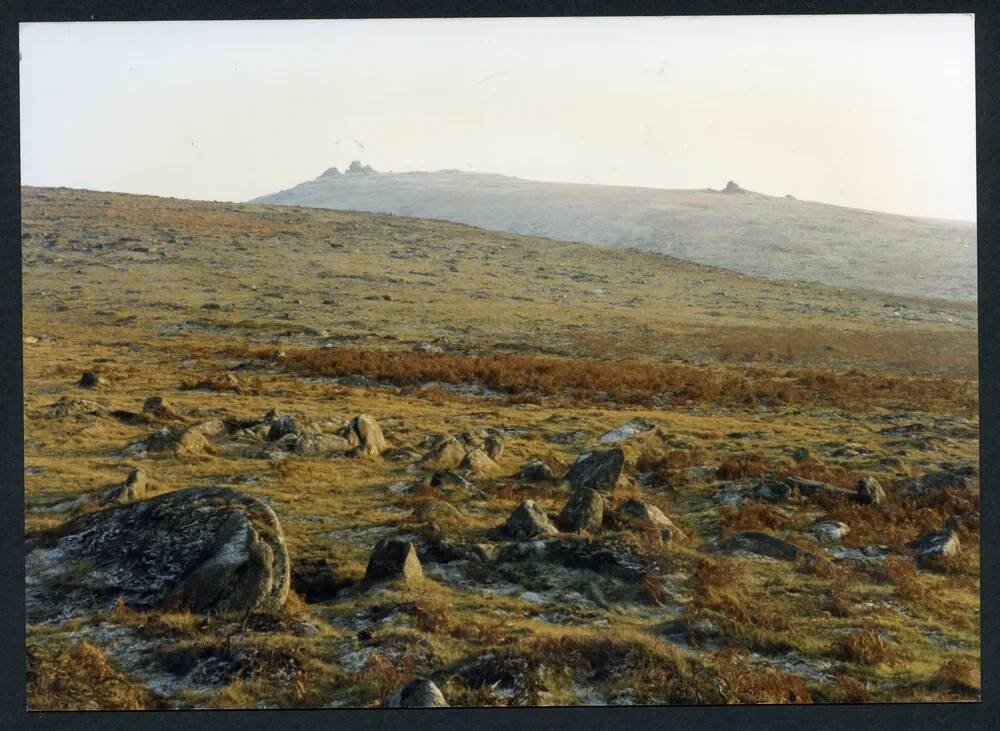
478 362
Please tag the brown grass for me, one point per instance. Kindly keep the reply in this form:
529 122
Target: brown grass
864 647
752 516
78 677
626 382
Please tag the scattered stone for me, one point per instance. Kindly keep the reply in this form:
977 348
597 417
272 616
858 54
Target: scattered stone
653 516
393 559
529 521
810 488
418 693
205 549
89 379
478 462
942 480
584 511
535 471
764 544
597 470
829 531
870 492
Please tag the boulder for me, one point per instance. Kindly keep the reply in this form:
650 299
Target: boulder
204 549
478 462
393 559
445 455
597 470
529 521
418 693
535 471
365 435
448 481
870 492
829 531
764 544
584 511
653 516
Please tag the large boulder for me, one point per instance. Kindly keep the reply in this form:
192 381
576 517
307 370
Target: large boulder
204 549
597 470
529 521
584 511
365 435
418 693
393 559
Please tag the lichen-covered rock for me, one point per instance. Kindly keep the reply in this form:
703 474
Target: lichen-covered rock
316 445
478 462
393 559
584 511
529 521
772 491
870 492
418 693
205 549
445 455
597 470
365 436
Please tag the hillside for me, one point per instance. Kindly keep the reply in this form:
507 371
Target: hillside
731 228
573 451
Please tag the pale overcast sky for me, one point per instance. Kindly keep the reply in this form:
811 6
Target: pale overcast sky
873 112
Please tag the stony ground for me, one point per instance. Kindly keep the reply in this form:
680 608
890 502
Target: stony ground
741 407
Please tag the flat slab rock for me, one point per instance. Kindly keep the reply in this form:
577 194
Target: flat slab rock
764 544
206 549
597 470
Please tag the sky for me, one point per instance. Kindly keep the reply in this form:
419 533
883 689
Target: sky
874 112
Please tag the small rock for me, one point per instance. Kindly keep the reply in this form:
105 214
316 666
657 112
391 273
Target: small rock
418 693
653 516
89 379
364 431
447 454
773 491
393 559
932 547
209 428
764 544
427 348
529 521
870 492
584 511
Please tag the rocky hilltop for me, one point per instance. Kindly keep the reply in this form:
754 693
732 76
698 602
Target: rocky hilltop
732 227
